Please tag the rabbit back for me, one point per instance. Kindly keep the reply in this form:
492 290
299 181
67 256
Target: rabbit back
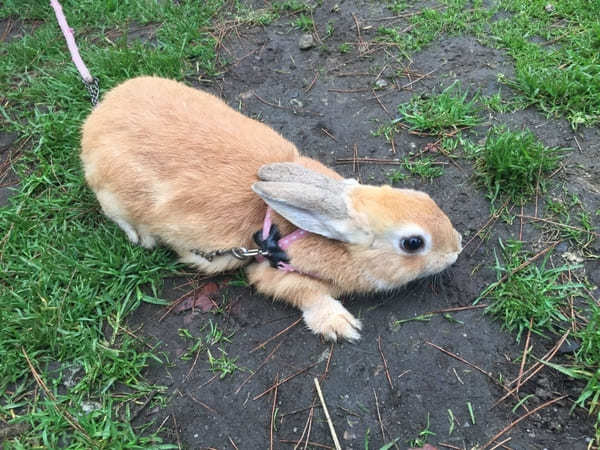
177 164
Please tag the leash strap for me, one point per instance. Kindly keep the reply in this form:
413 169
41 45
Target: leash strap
90 82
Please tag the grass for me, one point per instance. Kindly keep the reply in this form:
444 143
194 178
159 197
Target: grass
545 294
423 436
425 168
556 54
69 278
534 292
304 22
441 113
514 163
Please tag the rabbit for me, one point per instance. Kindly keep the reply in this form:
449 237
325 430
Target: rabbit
177 166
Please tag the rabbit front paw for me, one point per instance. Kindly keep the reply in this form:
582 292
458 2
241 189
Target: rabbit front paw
329 318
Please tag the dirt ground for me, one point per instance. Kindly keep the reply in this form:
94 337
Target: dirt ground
323 101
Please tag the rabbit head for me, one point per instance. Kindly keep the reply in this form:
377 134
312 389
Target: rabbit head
389 236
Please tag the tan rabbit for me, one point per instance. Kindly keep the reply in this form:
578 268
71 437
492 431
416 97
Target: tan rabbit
175 165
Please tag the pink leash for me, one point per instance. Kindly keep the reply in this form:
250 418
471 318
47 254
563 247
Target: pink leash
90 82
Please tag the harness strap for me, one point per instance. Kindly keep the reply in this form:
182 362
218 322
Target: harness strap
283 243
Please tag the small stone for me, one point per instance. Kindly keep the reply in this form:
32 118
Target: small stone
88 407
572 258
306 41
348 436
556 426
246 95
549 8
296 103
412 145
381 83
543 394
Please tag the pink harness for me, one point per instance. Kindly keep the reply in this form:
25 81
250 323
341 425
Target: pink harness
283 243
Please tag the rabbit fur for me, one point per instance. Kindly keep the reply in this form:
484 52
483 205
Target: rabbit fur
174 165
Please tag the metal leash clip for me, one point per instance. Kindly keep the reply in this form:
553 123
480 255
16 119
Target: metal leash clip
244 253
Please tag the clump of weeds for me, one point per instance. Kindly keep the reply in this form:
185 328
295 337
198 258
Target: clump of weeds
441 113
513 163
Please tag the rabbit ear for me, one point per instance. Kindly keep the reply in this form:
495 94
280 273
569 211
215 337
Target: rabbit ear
314 208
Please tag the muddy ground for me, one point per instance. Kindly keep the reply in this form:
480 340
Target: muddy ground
324 102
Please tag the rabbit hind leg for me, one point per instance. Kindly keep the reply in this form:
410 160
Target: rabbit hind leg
113 210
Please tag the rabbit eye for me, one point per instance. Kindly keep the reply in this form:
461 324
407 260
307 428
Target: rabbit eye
412 244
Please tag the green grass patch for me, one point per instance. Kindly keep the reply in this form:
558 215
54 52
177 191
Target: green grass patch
560 74
69 277
441 113
304 23
513 163
425 168
556 50
570 220
543 293
533 292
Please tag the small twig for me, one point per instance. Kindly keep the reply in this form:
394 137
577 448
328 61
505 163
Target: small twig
487 374
355 158
407 85
385 366
348 91
523 417
578 145
146 403
193 364
276 336
176 431
516 269
454 447
285 380
232 443
296 411
558 224
380 103
521 224
524 357
204 405
379 416
492 219
501 443
366 160
258 368
533 369
324 130
137 338
175 303
458 308
312 444
273 412
329 422
328 361
307 426
67 416
312 83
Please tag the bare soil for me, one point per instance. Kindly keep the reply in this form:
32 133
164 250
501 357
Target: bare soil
324 102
